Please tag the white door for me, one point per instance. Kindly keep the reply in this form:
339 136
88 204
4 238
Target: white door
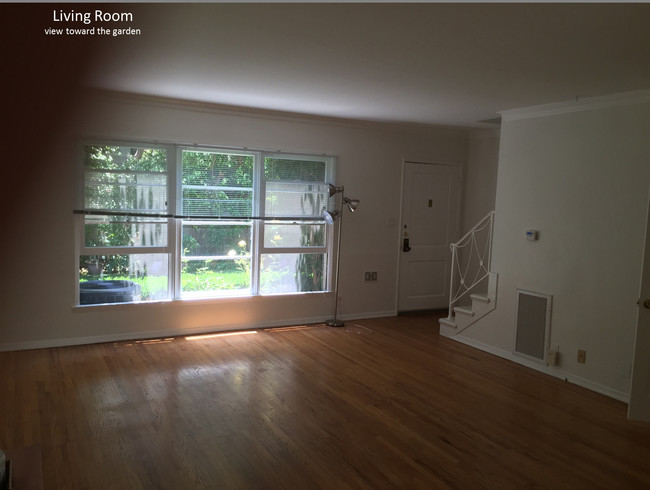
639 407
429 224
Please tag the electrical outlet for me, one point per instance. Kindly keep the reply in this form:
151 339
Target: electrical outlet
582 356
370 276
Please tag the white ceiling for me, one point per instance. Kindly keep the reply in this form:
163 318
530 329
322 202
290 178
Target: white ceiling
443 63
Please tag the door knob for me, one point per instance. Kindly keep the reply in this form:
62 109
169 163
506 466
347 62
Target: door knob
646 303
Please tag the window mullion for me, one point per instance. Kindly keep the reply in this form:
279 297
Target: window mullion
123 250
293 250
175 281
176 208
259 186
78 245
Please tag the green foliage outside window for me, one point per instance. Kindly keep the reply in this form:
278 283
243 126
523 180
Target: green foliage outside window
290 170
216 184
310 267
123 178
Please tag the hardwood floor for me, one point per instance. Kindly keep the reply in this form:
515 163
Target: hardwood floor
381 403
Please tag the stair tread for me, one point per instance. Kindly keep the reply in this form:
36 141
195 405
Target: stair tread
480 297
449 322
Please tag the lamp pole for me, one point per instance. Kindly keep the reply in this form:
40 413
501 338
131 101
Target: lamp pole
335 322
352 205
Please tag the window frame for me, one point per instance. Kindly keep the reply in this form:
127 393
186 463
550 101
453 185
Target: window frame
327 248
81 249
175 220
178 210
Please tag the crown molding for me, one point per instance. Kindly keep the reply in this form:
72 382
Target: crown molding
578 105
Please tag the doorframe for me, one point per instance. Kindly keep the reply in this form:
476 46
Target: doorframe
400 226
634 407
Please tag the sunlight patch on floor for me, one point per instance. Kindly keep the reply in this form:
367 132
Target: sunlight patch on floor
289 329
215 335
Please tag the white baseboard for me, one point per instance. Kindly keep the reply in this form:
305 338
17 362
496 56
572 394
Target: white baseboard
176 332
542 367
372 314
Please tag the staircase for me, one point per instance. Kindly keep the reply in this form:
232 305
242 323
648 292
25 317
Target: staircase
470 268
461 317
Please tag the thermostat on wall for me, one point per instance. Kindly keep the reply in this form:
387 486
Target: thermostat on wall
531 235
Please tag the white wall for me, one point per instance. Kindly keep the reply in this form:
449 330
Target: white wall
481 176
578 173
38 291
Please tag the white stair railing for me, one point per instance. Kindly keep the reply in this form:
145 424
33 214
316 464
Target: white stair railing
470 260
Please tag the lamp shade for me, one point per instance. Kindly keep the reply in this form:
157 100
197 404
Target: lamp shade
333 189
330 217
353 204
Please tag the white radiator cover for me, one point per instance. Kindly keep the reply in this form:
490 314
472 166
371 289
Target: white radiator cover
533 327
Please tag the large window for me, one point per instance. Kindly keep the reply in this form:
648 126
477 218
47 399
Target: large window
293 252
168 222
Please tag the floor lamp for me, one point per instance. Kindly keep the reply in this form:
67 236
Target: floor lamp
352 205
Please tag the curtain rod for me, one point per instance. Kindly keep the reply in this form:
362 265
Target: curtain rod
94 212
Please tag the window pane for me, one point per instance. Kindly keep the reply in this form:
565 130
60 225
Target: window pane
217 184
291 273
130 158
216 258
122 278
293 235
216 240
125 178
291 199
142 193
117 231
206 201
210 277
294 170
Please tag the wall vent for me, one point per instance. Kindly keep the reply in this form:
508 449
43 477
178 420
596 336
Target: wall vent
533 324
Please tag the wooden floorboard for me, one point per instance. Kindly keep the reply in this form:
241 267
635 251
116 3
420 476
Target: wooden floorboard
381 403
